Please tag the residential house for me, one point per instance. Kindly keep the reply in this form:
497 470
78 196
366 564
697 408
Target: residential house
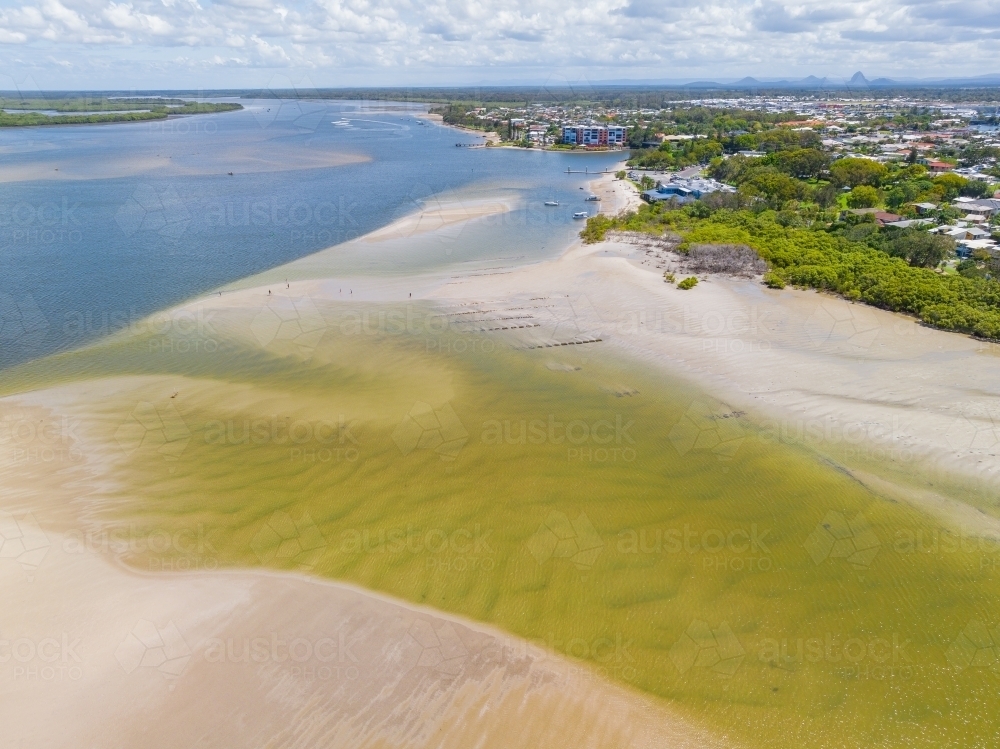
937 167
684 190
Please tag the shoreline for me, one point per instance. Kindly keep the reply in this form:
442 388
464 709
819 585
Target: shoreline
368 669
792 357
158 653
799 360
788 357
493 138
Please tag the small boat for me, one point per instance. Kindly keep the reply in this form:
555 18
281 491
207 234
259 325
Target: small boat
580 214
551 202
592 197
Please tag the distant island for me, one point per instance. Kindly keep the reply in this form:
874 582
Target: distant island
21 112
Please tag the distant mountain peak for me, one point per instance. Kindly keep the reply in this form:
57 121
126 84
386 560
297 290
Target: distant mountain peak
858 79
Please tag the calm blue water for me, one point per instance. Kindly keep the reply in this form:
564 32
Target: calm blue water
141 216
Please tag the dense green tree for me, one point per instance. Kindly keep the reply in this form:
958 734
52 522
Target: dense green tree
804 163
863 196
852 172
832 261
900 194
951 185
825 195
975 188
780 139
917 247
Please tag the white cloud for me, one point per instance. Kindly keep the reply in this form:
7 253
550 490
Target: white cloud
412 42
124 16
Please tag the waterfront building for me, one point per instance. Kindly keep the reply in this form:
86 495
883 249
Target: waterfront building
595 136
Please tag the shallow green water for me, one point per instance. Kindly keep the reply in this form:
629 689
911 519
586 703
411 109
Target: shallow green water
612 514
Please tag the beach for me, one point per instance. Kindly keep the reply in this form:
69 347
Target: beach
851 378
877 382
141 651
253 659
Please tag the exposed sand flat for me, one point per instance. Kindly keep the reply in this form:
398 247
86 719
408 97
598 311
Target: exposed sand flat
238 658
237 160
242 659
234 659
846 376
841 376
437 215
133 660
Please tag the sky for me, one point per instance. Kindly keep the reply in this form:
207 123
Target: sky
142 44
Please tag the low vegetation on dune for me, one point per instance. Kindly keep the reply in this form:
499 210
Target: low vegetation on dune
889 268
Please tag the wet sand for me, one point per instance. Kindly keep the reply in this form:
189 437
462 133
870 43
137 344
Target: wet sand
847 379
176 164
437 215
215 658
147 674
844 378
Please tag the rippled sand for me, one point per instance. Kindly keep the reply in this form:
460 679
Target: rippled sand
121 442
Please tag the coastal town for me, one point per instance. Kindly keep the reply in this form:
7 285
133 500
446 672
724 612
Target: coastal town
864 166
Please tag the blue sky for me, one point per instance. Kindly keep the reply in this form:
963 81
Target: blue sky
46 44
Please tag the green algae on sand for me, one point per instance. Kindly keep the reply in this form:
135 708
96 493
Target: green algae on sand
595 509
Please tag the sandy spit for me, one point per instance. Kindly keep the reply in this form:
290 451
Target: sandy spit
205 659
852 379
180 164
96 655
